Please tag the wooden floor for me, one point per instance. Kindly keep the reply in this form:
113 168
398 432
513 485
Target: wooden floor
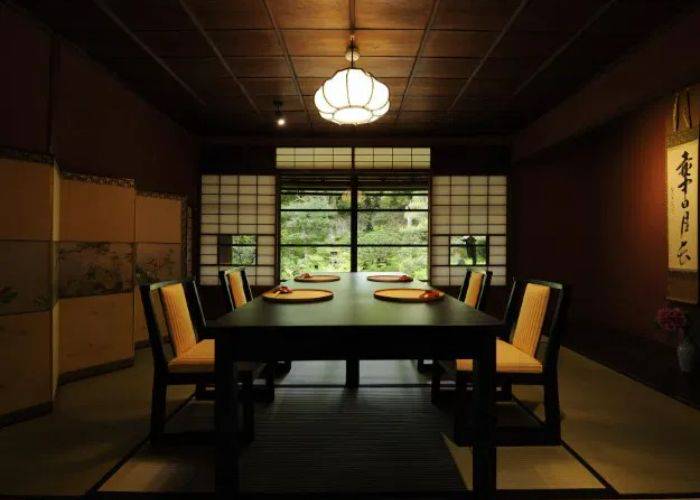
621 438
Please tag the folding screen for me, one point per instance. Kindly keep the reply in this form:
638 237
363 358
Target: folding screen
159 247
96 273
28 307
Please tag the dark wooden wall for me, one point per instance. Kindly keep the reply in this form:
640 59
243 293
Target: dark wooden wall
592 212
54 99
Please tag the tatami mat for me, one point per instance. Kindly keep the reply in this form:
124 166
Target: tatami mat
639 440
94 424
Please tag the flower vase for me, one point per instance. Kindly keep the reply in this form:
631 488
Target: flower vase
686 354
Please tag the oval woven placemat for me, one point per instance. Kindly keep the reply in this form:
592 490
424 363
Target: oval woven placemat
298 296
316 278
408 295
389 278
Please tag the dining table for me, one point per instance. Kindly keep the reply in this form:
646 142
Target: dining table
355 325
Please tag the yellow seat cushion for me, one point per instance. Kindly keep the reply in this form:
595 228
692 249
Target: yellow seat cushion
200 359
476 280
235 281
509 359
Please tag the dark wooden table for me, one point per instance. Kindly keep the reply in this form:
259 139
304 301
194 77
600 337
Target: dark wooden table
355 325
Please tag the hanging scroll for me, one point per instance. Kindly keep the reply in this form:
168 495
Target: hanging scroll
682 210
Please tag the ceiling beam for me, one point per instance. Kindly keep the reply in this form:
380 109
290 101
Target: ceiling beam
426 32
492 114
568 43
285 51
503 33
117 20
219 56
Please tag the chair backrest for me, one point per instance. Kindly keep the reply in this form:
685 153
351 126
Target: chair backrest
537 307
474 288
183 314
236 288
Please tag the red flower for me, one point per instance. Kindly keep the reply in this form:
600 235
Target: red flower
671 319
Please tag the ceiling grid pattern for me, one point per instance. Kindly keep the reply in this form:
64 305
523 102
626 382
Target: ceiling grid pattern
453 67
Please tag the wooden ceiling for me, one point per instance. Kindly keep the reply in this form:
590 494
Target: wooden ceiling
454 67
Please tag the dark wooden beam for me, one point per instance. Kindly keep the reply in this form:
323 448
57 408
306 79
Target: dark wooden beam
288 60
555 55
219 55
117 20
426 32
504 31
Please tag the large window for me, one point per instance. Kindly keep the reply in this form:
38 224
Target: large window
315 230
361 223
392 231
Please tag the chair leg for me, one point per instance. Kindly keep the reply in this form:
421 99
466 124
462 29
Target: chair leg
270 382
461 413
248 406
200 391
506 392
552 412
282 368
158 399
423 367
435 382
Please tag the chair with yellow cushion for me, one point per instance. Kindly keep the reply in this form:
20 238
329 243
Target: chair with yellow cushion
472 293
534 308
237 293
176 305
475 287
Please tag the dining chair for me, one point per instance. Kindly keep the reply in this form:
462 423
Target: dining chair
192 360
474 288
237 293
535 308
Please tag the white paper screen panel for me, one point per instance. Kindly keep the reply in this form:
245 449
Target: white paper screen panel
462 205
342 158
311 158
238 205
392 158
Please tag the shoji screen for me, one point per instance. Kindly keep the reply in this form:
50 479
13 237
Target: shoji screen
468 227
238 227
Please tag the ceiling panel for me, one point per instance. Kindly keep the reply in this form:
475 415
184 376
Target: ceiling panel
382 67
160 14
176 43
388 42
300 14
435 87
227 14
458 43
439 67
477 15
392 14
264 67
316 42
270 86
246 42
